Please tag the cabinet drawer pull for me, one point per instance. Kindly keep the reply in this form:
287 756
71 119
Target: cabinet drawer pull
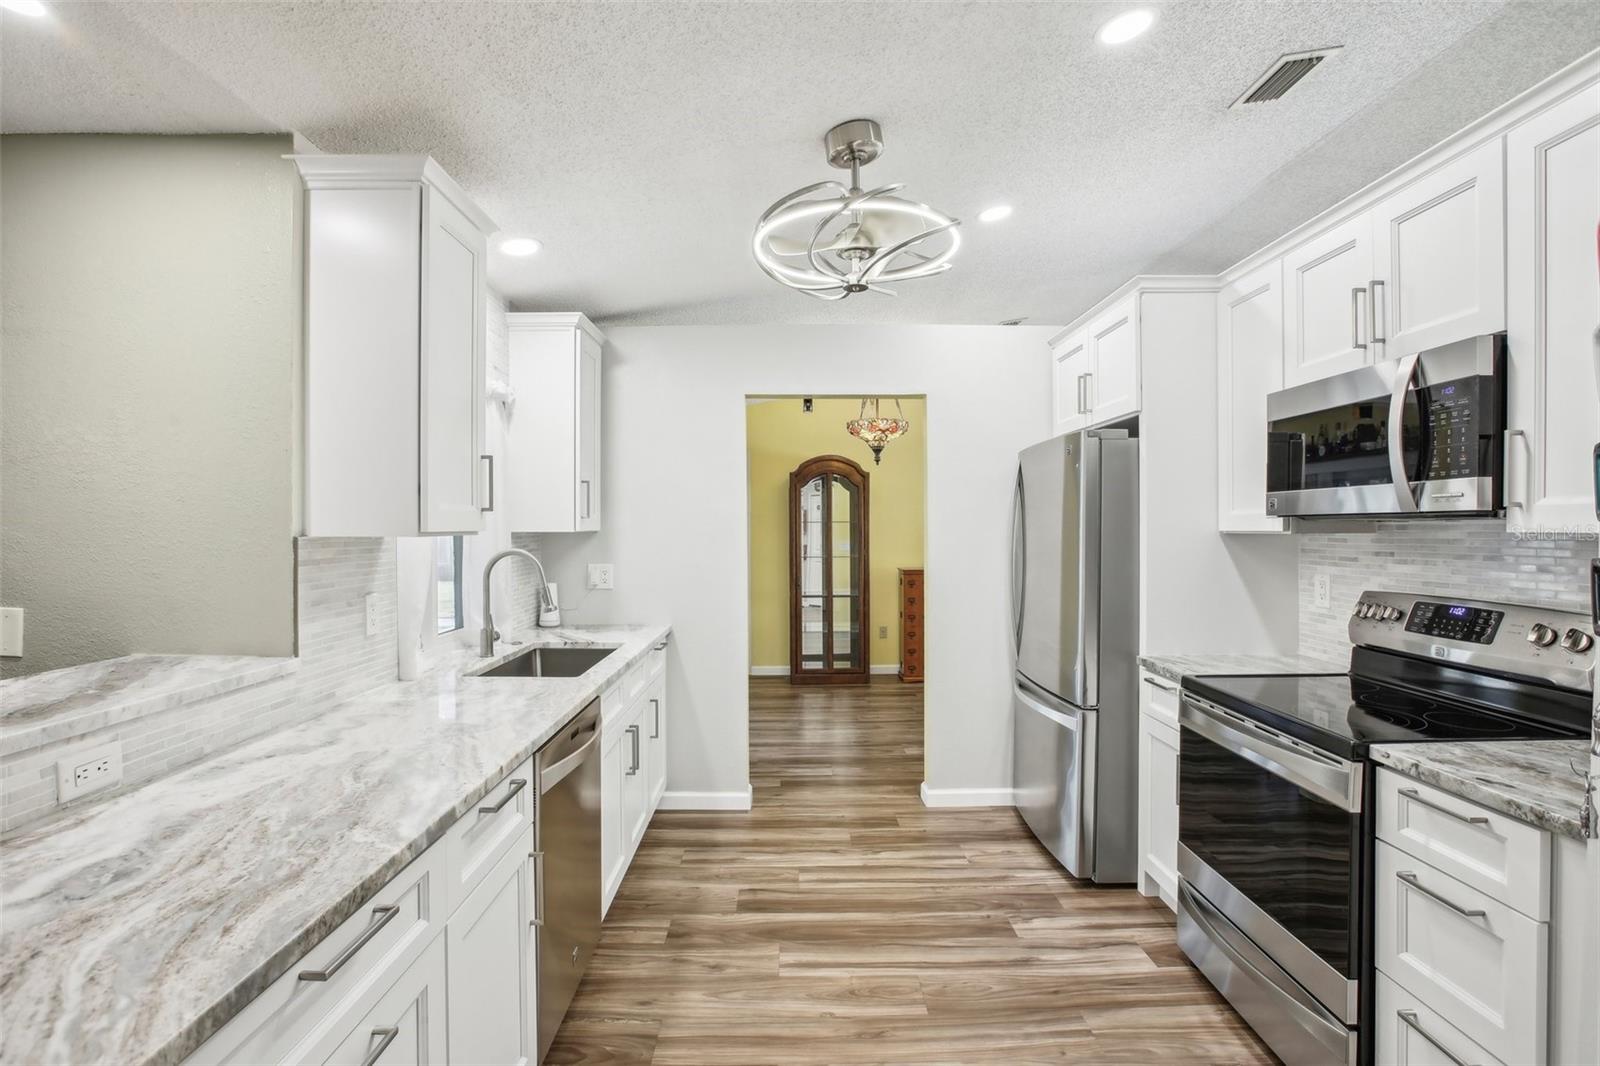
388 1033
657 705
634 731
1160 684
1416 797
1410 1018
381 916
517 785
1411 879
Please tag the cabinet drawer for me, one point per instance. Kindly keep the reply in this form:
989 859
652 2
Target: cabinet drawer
475 843
376 944
1158 698
1481 965
1500 856
406 1027
1410 1033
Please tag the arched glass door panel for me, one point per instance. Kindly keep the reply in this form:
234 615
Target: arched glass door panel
828 564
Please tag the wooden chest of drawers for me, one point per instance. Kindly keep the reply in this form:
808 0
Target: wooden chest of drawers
911 626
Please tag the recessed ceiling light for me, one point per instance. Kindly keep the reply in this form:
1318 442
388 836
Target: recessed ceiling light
1126 26
995 213
31 8
513 245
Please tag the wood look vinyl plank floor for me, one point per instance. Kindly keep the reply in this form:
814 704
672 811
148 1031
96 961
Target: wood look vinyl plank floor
841 921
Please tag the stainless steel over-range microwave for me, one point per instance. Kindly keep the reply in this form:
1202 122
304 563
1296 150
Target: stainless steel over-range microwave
1421 435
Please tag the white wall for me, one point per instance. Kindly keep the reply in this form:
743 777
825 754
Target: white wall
676 524
151 318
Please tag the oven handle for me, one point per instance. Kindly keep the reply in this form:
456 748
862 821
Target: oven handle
1324 776
1405 371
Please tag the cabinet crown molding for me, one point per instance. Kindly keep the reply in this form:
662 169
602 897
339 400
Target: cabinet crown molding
553 321
1139 283
376 171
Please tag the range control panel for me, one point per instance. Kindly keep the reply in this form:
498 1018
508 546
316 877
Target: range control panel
1538 642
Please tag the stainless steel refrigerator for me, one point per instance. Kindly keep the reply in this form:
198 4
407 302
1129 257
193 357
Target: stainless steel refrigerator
1075 616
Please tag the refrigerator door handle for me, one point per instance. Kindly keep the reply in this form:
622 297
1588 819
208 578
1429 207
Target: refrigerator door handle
1019 562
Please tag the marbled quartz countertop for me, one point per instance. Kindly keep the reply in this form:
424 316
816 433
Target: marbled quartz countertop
1530 780
131 930
43 708
1176 667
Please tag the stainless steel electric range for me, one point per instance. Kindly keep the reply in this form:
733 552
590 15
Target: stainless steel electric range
1275 832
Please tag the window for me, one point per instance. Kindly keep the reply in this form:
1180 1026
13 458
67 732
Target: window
447 570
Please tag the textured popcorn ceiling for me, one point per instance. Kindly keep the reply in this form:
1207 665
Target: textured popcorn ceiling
641 141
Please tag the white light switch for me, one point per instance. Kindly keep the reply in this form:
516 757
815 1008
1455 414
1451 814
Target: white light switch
1322 590
600 575
372 614
11 631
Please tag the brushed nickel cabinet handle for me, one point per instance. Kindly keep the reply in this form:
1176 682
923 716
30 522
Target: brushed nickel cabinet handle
517 785
381 916
588 502
1416 797
1521 500
538 889
634 731
657 705
1411 879
1355 317
1410 1018
1374 305
1160 684
489 457
388 1033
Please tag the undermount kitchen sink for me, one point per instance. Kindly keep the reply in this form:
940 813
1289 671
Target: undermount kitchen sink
549 662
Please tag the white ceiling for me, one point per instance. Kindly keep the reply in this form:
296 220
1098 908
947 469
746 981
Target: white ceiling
641 141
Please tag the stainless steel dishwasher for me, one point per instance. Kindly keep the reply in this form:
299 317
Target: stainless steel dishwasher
567 872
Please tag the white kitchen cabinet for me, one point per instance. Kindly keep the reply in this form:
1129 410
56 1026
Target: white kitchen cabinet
633 764
489 965
1249 367
407 1026
1069 359
1439 256
1113 386
1158 788
1326 326
616 752
553 468
395 284
636 809
1552 310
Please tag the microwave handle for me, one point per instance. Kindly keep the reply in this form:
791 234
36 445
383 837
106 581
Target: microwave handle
1405 372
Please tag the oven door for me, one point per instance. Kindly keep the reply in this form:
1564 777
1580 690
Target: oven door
1270 838
1417 435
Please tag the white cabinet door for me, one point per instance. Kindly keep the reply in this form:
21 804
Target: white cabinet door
1070 367
1326 283
635 780
489 965
614 762
588 443
1553 198
1410 1034
452 371
655 725
1249 366
1439 256
1158 788
407 1025
1113 385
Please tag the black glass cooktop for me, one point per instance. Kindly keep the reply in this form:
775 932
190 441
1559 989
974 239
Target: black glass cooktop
1344 713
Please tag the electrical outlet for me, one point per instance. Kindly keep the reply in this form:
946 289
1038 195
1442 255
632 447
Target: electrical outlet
600 576
372 614
1322 587
883 632
88 770
11 631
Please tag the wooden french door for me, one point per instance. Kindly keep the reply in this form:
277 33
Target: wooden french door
828 609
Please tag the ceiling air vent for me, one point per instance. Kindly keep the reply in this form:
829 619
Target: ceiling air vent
1283 75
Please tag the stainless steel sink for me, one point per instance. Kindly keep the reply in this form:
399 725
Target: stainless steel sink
549 662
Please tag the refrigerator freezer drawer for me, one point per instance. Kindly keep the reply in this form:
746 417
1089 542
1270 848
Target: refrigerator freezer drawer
1054 775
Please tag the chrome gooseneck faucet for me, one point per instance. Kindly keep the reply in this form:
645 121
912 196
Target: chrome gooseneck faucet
487 638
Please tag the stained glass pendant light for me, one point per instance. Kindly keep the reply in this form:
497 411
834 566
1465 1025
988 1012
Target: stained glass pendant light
829 242
876 430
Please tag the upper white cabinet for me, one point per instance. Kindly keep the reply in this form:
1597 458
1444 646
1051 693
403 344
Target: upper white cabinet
395 344
553 439
1069 360
1249 367
1553 195
1095 373
1326 321
1439 256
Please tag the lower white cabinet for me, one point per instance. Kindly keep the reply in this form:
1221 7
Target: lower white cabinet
407 1026
633 768
1158 788
491 971
1409 1033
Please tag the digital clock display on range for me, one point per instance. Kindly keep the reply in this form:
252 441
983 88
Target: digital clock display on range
1454 621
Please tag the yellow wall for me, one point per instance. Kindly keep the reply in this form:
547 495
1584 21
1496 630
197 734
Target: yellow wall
781 437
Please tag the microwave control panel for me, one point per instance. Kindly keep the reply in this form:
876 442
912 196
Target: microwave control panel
1455 439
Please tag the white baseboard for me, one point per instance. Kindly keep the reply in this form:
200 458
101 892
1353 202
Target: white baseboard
740 800
783 671
967 797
